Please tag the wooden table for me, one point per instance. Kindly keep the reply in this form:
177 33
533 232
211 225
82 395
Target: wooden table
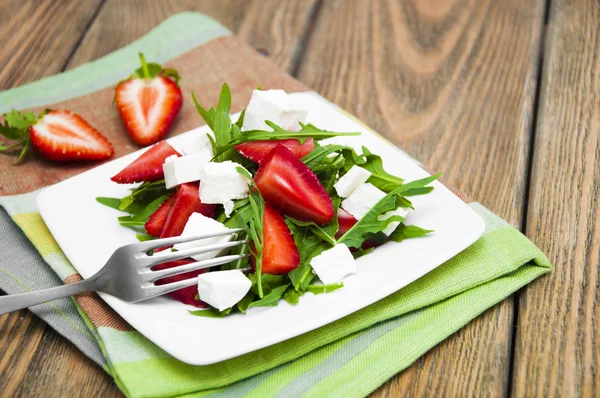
503 96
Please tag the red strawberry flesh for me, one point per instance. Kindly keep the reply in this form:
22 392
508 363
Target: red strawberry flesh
280 254
148 107
257 150
290 187
185 202
187 295
63 135
148 167
156 222
345 222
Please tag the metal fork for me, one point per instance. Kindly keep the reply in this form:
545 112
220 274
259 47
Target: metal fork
128 274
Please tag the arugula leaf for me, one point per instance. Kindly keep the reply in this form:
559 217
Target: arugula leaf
408 231
417 191
291 296
325 232
243 304
208 115
144 237
219 122
309 246
252 222
418 184
142 217
319 289
144 194
211 313
371 222
307 131
240 121
113 203
360 252
271 299
318 159
379 177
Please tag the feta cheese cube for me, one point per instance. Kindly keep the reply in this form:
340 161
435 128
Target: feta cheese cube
220 183
180 169
364 198
275 106
200 224
351 180
223 289
334 264
200 143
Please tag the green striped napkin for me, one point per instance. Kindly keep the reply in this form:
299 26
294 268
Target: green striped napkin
350 357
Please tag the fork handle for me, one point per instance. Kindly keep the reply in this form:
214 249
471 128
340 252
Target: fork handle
14 302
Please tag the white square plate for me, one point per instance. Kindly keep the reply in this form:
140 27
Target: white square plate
89 232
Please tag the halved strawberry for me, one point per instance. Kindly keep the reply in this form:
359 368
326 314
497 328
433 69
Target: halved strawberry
147 167
290 187
257 150
187 295
156 222
148 102
185 202
345 222
280 254
58 135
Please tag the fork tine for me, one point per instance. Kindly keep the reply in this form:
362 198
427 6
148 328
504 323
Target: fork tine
156 243
151 276
154 291
163 257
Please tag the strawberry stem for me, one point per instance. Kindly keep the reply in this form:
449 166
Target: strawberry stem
144 66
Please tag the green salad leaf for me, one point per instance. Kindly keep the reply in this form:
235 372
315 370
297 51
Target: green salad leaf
319 289
219 122
372 224
324 232
379 177
291 296
251 220
271 299
408 231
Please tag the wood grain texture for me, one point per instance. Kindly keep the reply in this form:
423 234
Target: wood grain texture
38 37
557 345
453 84
34 359
274 27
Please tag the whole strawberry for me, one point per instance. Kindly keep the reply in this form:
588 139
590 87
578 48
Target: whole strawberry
148 102
56 134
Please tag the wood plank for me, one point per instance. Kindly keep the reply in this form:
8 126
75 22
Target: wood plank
42 37
274 27
33 363
39 37
557 345
452 83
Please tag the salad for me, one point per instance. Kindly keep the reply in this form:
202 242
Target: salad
308 205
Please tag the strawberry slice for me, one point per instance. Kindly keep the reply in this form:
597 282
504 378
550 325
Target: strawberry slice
257 150
58 135
147 167
185 202
187 295
345 222
156 222
280 254
290 187
148 102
